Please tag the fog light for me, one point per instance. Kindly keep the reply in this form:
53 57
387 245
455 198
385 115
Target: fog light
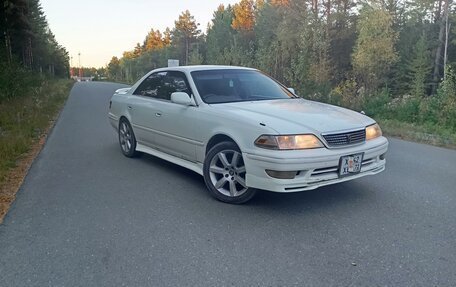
281 174
383 156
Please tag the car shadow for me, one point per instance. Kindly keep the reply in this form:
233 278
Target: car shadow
193 177
347 193
342 193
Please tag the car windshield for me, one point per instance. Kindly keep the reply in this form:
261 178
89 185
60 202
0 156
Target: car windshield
236 85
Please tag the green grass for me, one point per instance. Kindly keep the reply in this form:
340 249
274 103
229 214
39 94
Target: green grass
425 119
24 118
430 133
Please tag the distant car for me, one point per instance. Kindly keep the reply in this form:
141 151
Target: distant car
242 131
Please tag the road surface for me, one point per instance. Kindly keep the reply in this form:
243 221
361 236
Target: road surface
88 216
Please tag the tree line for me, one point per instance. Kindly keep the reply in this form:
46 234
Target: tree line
27 41
369 54
29 51
315 46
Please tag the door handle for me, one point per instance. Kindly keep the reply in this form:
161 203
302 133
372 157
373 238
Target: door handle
129 107
158 114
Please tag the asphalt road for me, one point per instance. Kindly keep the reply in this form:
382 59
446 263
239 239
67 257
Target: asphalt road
88 216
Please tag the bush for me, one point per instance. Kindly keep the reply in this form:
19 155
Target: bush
348 95
24 119
407 109
447 95
429 110
377 104
15 81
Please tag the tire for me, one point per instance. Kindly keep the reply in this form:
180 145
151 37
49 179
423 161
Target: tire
127 139
224 174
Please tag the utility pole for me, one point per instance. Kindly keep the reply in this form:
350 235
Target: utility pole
71 67
80 68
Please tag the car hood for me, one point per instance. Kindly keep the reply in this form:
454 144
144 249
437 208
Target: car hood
290 116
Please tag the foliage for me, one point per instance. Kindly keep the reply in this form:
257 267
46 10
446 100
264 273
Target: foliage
31 61
437 111
24 119
219 36
113 69
195 58
447 92
154 41
347 94
371 55
27 39
243 19
16 81
342 36
374 53
420 68
184 34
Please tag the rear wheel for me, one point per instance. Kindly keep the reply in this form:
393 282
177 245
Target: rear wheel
127 139
224 174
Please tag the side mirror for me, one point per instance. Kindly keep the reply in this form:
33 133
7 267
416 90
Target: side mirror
292 91
122 91
182 98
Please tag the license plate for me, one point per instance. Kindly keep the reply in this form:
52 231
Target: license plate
350 164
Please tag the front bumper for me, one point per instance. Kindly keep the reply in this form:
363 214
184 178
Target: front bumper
316 167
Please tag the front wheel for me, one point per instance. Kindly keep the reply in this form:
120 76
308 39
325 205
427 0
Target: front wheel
224 174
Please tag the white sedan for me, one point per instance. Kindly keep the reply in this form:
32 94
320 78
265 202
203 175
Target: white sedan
243 131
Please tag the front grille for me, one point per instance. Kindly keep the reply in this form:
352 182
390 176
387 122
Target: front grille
347 138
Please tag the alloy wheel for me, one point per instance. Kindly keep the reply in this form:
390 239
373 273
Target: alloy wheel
227 173
125 137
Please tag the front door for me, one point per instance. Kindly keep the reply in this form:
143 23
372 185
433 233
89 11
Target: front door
143 109
175 123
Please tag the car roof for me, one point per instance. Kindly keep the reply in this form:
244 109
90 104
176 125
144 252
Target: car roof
201 68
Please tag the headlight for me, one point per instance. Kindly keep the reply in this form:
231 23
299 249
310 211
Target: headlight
373 131
288 142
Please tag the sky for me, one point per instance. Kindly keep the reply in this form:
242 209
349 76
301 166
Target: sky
100 29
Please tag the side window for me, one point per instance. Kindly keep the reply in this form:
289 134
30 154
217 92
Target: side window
175 82
151 86
162 85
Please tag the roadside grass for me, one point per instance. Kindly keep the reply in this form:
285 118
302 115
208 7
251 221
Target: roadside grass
425 119
432 134
24 122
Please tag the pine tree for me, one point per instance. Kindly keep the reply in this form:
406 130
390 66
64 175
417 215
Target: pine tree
342 38
153 41
244 18
185 33
113 69
419 68
167 37
27 38
137 51
220 36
